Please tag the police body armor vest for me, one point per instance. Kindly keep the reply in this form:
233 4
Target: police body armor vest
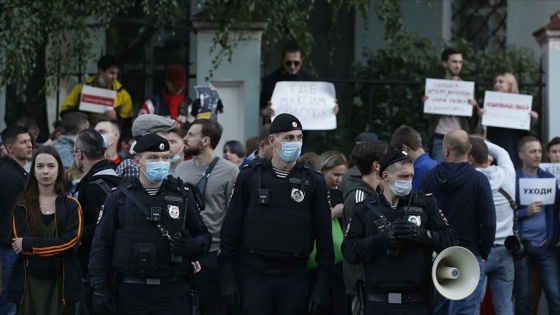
139 247
283 227
410 269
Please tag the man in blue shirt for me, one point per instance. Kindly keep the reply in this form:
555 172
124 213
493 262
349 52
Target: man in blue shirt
408 139
539 224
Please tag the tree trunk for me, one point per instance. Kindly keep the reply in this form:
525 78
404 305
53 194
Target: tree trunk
29 100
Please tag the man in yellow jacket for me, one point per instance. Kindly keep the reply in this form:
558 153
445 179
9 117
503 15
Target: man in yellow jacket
106 77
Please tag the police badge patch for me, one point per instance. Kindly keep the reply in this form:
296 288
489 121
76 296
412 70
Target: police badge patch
173 211
297 195
416 219
101 210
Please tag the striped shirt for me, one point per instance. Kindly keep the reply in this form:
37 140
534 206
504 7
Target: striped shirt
280 173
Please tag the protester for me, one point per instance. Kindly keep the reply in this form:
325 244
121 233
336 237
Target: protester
234 151
47 225
553 150
106 78
333 165
507 138
18 146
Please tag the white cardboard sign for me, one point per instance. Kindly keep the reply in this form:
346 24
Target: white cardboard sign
449 97
537 189
97 100
312 102
507 110
554 169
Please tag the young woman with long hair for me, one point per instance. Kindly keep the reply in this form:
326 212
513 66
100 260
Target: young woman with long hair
46 226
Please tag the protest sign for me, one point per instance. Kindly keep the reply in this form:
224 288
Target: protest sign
97 100
449 97
554 169
209 98
507 110
537 189
311 102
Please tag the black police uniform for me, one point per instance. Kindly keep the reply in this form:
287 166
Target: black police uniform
398 273
272 224
152 278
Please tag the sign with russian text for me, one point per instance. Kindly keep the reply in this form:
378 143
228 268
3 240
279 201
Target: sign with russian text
554 169
97 100
537 189
507 110
311 102
449 97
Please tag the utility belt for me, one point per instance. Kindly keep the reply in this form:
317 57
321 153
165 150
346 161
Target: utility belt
395 298
274 254
130 279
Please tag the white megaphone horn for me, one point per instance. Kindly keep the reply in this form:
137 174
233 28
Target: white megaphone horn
455 273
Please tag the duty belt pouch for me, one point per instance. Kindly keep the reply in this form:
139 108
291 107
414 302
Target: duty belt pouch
144 260
44 267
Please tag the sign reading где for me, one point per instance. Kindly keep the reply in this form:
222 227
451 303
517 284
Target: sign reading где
97 100
554 169
310 101
507 110
449 97
537 189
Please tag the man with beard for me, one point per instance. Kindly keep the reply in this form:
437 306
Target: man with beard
19 147
215 178
100 178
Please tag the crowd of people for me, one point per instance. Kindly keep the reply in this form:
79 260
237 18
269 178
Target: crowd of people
115 215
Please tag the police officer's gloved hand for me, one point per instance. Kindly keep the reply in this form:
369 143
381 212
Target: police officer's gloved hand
185 245
102 301
230 298
319 303
409 231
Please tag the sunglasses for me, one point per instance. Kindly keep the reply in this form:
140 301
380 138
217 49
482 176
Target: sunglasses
289 63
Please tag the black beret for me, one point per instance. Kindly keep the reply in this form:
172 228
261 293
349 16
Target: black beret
392 157
151 143
285 122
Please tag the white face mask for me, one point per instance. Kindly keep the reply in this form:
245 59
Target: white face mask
401 188
106 142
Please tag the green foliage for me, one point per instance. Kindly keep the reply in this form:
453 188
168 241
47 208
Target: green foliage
69 27
393 81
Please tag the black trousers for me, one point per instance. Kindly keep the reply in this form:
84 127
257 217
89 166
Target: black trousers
207 285
373 308
277 293
142 299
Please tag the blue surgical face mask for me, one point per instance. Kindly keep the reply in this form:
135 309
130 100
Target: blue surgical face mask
401 187
290 151
175 158
106 142
156 171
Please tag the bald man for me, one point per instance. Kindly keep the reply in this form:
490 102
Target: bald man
465 197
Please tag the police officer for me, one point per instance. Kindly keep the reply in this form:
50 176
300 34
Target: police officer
277 211
148 232
393 234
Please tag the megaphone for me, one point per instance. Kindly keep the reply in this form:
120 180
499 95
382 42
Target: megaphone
455 273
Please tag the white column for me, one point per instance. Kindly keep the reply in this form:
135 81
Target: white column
548 38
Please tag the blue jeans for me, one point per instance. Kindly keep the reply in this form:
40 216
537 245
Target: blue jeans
467 306
437 149
8 257
544 260
500 272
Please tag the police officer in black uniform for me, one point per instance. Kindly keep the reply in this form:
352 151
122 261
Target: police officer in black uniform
149 231
393 235
277 211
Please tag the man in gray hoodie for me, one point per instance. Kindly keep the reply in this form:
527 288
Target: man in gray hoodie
499 266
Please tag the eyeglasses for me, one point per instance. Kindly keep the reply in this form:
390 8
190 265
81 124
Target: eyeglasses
289 63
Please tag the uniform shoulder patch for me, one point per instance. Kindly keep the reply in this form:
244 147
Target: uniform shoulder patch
100 216
348 227
443 218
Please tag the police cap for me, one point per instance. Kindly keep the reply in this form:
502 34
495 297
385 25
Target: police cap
392 157
151 143
285 122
